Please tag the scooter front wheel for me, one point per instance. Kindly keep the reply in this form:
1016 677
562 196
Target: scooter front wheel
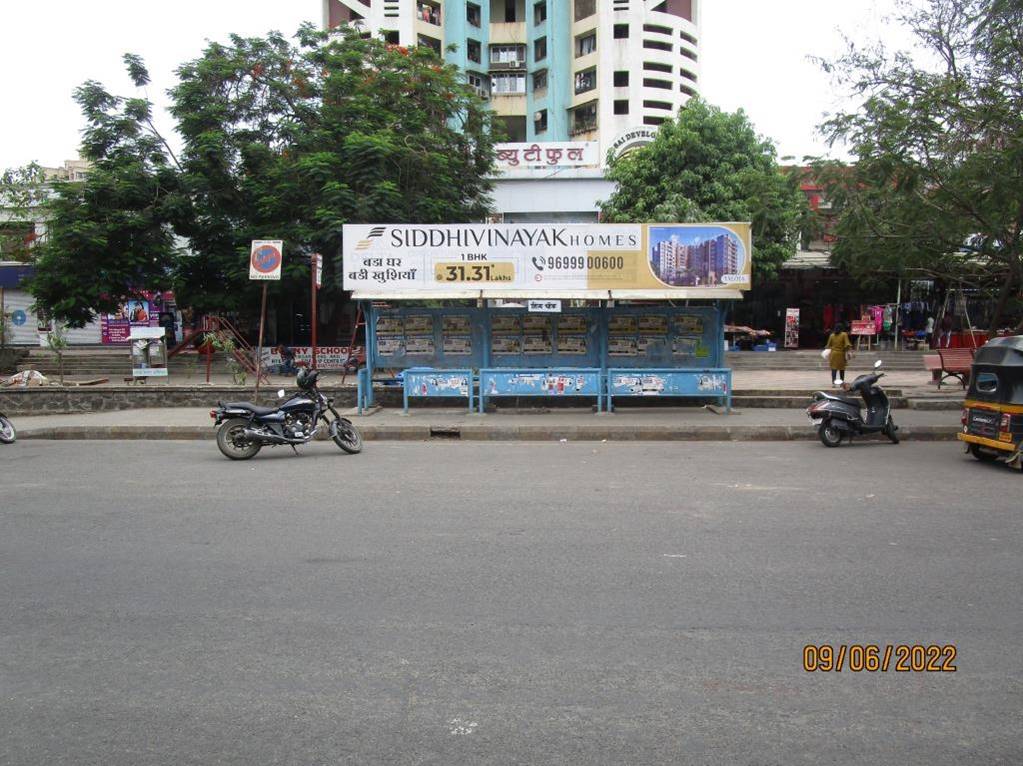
8 435
890 432
830 435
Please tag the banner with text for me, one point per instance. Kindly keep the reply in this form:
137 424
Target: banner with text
466 258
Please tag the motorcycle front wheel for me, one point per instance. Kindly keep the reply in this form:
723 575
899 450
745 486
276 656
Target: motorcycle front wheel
233 443
7 433
830 435
346 436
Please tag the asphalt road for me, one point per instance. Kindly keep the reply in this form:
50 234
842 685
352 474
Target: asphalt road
505 604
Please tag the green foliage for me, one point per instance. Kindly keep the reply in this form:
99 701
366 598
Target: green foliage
22 194
291 141
709 165
282 140
225 344
57 342
108 236
936 187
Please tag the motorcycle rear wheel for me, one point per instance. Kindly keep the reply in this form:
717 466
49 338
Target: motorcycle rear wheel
346 436
830 436
233 444
8 435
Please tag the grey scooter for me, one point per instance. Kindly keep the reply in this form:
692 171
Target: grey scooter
841 417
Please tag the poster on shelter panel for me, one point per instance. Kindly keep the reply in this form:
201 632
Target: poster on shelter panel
467 258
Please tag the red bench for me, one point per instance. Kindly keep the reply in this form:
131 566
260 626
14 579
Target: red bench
955 363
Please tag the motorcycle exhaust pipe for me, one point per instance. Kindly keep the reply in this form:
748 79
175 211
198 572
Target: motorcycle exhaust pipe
250 433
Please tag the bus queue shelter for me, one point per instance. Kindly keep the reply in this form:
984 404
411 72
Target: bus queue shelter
593 310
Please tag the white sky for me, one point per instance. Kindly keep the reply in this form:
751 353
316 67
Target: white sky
753 55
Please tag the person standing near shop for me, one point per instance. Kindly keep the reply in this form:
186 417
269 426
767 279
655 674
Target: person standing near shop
841 351
946 332
929 331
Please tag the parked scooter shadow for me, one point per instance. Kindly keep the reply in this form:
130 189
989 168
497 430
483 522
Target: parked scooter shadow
841 417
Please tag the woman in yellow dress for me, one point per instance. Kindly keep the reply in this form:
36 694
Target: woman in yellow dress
841 349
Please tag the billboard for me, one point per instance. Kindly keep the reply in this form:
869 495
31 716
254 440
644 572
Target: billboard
545 258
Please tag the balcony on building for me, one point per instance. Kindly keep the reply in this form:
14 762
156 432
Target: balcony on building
431 42
428 12
479 83
583 119
507 21
585 81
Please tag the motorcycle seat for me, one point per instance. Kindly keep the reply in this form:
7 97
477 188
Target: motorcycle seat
843 399
255 409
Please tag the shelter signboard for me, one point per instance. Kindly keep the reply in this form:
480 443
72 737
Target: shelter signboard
453 260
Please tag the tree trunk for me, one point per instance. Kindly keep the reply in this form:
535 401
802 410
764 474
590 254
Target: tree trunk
1003 298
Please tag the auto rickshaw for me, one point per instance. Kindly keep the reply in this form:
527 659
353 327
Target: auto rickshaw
993 410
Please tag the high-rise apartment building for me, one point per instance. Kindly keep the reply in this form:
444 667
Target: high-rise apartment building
600 72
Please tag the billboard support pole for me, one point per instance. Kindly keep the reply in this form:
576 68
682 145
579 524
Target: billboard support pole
259 349
313 271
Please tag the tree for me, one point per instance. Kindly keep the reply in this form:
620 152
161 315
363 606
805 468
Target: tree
936 185
109 236
281 140
709 165
23 191
290 141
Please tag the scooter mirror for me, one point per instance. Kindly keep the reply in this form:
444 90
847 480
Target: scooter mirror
280 393
877 365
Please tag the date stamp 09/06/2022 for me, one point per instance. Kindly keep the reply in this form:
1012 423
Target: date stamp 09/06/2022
878 658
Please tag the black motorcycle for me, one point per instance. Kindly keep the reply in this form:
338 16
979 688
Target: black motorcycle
7 433
841 417
243 428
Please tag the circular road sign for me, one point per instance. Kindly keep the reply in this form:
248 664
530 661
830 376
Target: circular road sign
266 259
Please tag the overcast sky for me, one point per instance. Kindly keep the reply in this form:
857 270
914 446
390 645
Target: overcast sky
754 56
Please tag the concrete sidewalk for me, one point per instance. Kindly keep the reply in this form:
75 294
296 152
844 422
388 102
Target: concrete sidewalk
645 424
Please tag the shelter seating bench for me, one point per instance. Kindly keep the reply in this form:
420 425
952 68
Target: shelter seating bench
555 381
713 383
955 363
438 383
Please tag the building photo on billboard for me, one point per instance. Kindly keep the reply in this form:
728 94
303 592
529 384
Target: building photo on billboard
693 256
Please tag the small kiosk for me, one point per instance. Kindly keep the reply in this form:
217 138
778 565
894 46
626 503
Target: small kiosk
548 310
148 353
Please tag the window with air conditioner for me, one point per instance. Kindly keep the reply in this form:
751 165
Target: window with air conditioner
508 55
480 83
540 121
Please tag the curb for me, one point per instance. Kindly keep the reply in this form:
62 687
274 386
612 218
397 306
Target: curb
443 434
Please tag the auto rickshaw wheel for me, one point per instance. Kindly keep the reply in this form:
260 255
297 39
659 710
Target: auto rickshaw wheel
982 455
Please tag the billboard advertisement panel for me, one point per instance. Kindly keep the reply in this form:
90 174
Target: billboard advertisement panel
446 258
